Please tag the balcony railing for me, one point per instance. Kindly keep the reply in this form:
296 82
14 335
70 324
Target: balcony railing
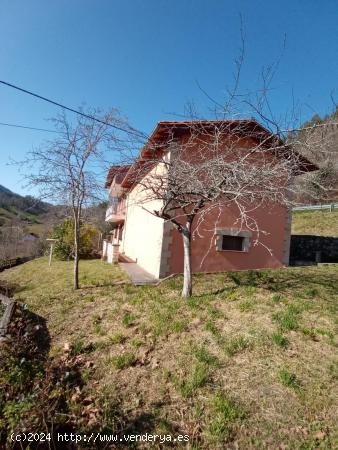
111 210
115 214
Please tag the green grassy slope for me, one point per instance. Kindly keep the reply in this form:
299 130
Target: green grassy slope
10 214
16 208
249 362
321 223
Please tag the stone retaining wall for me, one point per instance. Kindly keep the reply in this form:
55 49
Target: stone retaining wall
308 249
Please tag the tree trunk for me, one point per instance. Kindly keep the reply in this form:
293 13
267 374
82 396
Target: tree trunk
76 253
187 280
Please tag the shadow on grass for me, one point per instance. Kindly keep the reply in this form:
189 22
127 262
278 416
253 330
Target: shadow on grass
33 388
43 395
282 281
295 279
7 288
104 284
223 290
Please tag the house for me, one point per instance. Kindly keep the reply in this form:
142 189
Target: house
156 245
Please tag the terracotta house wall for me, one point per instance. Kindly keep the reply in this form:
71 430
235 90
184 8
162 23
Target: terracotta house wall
273 219
158 247
205 257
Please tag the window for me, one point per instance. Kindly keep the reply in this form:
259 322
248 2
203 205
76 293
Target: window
232 243
232 239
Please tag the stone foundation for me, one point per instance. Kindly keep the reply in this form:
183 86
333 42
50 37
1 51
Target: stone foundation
308 249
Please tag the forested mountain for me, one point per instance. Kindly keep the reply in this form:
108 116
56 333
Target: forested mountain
25 222
318 141
18 206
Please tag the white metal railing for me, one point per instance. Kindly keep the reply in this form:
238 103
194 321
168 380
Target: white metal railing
330 206
111 210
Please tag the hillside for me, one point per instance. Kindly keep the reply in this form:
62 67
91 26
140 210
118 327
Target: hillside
25 223
249 362
319 223
35 216
243 359
20 209
318 141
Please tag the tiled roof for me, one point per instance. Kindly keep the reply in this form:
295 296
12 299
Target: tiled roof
117 172
245 127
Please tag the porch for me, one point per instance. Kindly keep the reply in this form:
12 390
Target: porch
136 273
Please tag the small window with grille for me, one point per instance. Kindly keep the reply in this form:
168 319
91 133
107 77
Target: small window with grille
235 243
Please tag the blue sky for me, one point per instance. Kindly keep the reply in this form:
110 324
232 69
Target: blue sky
145 56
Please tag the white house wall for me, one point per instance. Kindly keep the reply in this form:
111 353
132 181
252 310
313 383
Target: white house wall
143 232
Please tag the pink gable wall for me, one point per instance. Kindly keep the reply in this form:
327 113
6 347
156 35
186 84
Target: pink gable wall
274 220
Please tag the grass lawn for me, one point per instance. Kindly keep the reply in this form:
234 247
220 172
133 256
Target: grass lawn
249 362
320 223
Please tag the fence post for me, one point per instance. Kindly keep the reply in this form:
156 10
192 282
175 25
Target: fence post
318 257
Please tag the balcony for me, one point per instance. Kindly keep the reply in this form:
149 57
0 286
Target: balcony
115 214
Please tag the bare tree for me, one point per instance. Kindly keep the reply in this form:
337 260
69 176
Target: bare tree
199 168
203 167
68 169
11 245
317 139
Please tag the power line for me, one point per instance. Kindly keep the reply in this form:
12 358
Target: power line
28 128
69 109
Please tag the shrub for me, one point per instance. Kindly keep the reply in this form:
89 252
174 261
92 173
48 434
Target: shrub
64 232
